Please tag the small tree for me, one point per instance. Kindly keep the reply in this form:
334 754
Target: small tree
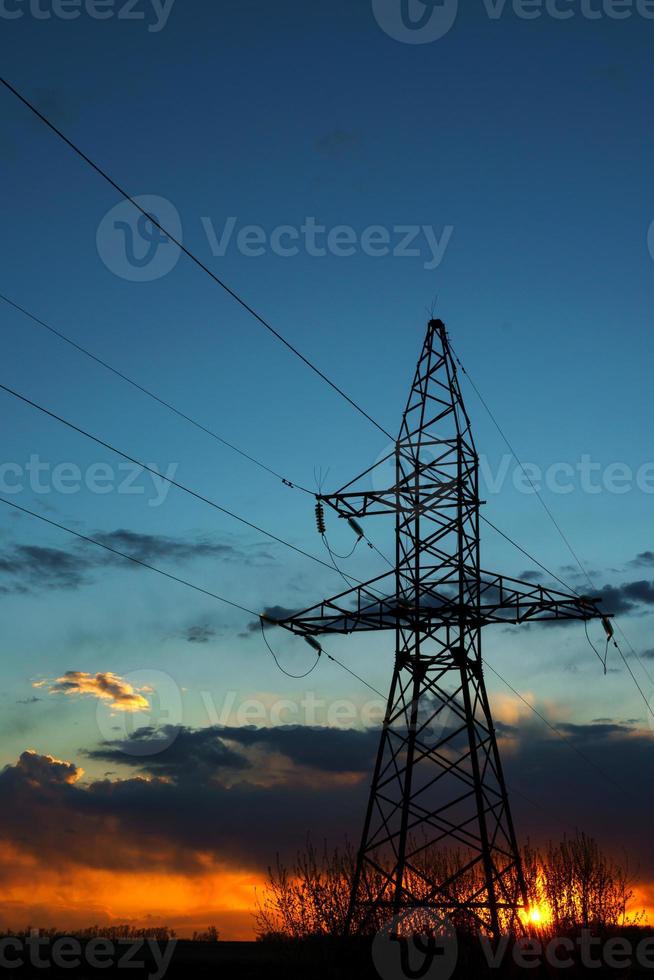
210 935
572 883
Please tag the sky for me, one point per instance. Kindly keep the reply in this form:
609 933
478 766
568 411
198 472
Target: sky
347 175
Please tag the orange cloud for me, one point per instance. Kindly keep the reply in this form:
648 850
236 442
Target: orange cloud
75 897
104 685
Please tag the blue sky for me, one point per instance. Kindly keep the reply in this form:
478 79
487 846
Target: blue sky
528 139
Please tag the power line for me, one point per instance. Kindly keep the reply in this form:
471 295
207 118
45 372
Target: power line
353 674
638 658
162 401
167 479
527 555
151 394
122 554
553 728
180 581
556 524
518 461
295 677
201 265
633 676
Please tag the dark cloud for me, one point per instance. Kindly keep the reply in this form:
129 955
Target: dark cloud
209 750
30 568
648 654
625 598
167 824
186 754
201 633
27 568
273 613
639 592
595 732
28 701
326 749
201 799
644 560
530 575
155 547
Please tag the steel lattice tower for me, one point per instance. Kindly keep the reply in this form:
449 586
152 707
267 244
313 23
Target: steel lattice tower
438 776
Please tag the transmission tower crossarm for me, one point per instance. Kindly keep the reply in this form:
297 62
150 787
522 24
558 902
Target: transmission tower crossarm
501 600
363 607
508 600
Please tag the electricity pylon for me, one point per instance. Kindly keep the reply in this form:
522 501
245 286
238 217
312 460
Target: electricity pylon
438 776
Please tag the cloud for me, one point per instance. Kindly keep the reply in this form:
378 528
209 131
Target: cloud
627 597
104 685
27 568
30 569
206 798
326 750
640 592
154 547
44 769
159 823
648 654
201 633
272 612
185 755
531 575
644 560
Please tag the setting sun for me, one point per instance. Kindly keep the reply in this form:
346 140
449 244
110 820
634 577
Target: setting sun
537 915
